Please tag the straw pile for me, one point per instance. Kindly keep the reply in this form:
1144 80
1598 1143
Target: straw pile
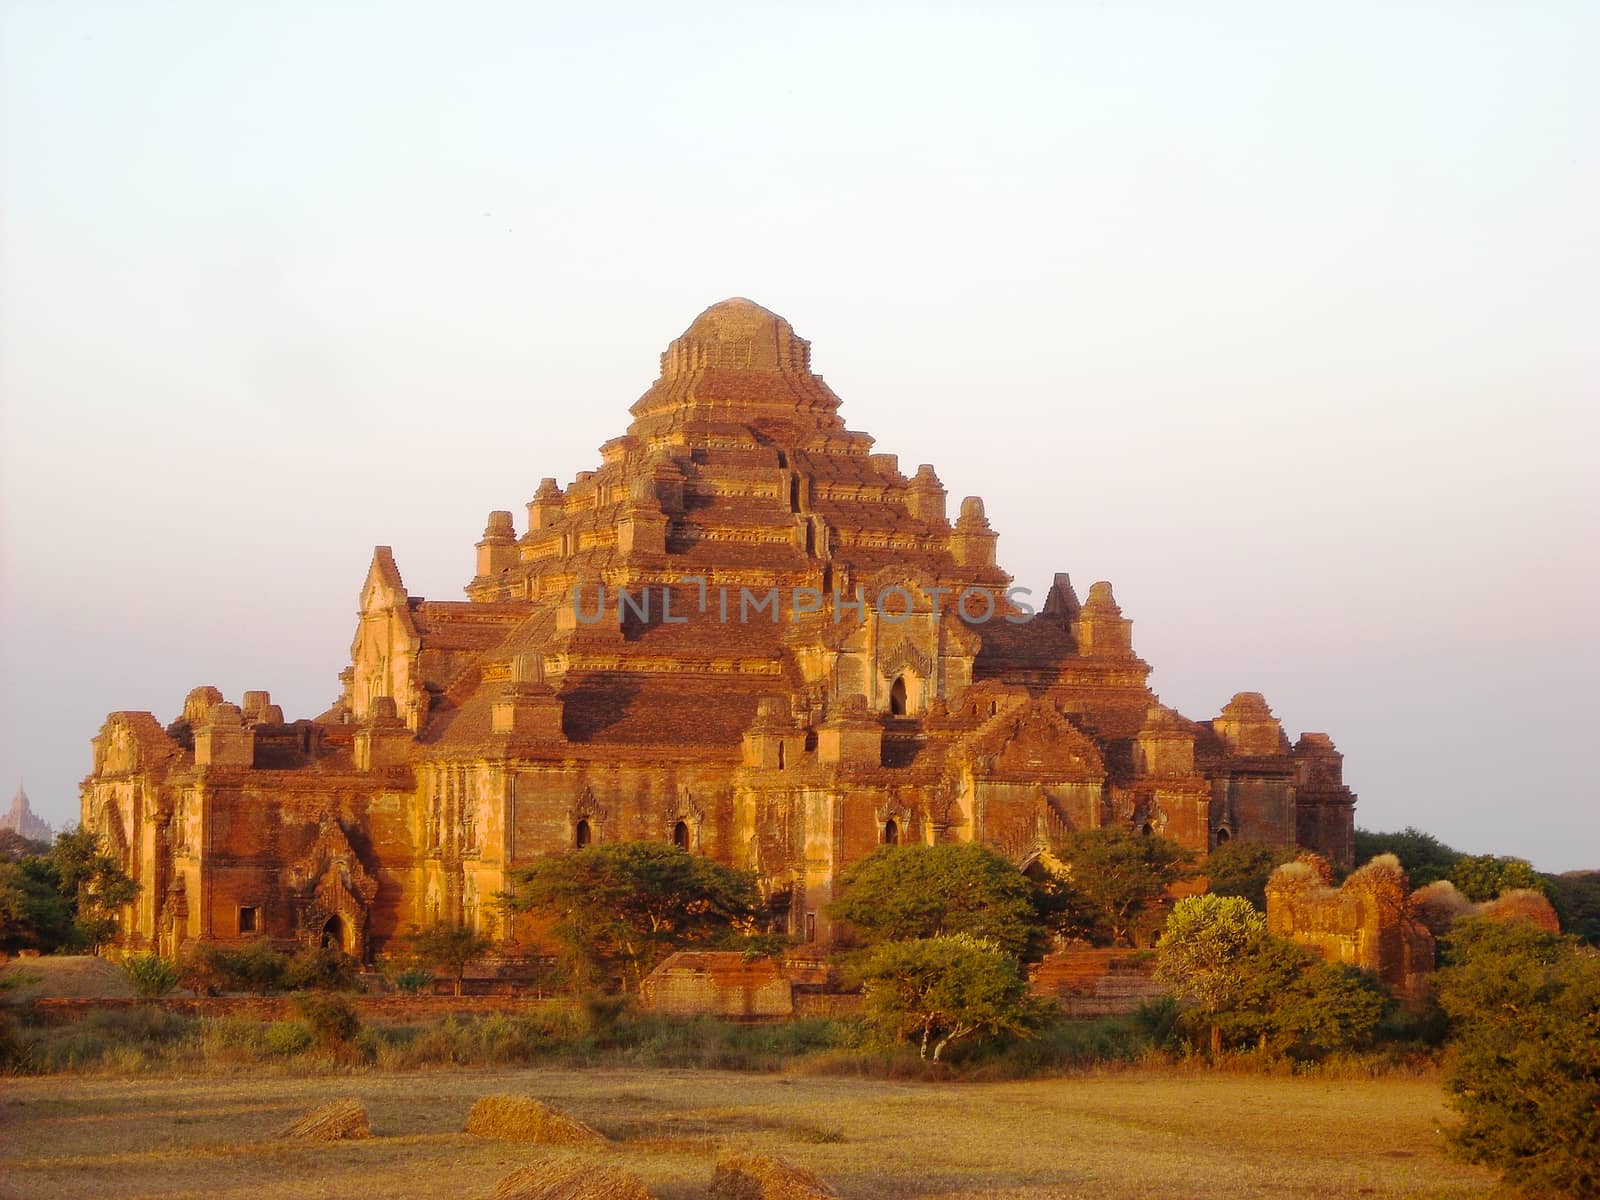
571 1178
524 1119
757 1177
342 1120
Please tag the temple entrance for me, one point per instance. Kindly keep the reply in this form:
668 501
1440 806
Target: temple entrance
891 833
581 836
680 835
333 934
897 697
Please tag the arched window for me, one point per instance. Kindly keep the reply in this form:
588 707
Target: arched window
582 836
897 697
1222 836
680 835
781 755
891 833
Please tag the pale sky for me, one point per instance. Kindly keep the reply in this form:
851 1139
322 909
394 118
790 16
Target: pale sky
1279 317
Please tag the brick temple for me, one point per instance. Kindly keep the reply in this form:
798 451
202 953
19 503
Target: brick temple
745 633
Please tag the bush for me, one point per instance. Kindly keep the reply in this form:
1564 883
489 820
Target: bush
332 1020
286 1039
322 968
413 980
1524 1070
940 990
150 974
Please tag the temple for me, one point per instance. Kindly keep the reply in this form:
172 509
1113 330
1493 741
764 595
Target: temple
745 633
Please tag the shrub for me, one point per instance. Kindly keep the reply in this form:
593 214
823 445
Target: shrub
1525 1067
413 980
286 1039
150 974
332 1020
936 991
322 968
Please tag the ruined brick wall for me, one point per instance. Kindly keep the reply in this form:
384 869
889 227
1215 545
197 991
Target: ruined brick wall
720 984
1369 922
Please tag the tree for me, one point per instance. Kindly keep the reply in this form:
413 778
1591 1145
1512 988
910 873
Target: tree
34 915
621 907
1425 858
93 883
1120 879
1243 868
1481 877
1576 897
899 893
64 899
14 847
449 948
1201 953
1329 1007
1524 1069
940 990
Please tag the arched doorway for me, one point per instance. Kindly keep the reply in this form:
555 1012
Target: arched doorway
1222 836
582 836
891 833
1147 829
333 934
897 697
680 835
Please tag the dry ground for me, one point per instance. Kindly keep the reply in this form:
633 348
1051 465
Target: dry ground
1144 1135
73 975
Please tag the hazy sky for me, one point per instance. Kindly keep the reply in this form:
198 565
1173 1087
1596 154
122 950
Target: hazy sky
1280 317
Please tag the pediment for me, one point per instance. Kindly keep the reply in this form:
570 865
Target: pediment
1034 741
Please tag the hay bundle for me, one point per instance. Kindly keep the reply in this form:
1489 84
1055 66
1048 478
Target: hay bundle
571 1178
340 1121
757 1177
524 1119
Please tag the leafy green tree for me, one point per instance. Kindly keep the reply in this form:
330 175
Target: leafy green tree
34 915
619 908
1576 897
93 883
1330 1007
1267 970
1201 954
941 990
1425 858
900 893
449 948
1481 877
1118 880
151 975
1524 1069
88 887
1243 868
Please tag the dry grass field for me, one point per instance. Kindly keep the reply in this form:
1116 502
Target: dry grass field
1116 1136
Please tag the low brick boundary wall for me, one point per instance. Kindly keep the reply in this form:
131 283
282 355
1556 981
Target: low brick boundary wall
1096 983
381 1010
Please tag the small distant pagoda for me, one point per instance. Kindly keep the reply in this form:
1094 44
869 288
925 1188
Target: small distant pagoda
22 820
